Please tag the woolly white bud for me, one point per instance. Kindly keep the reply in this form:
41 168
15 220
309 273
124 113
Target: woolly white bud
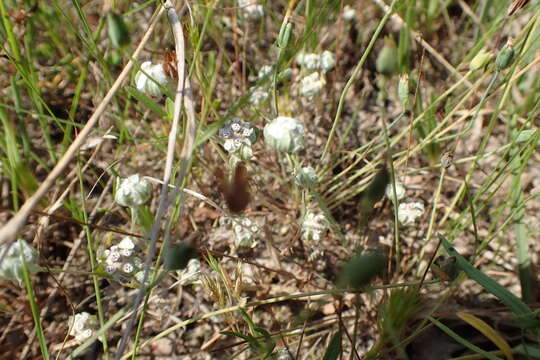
151 78
284 134
250 9
11 266
311 85
400 191
133 191
328 61
306 176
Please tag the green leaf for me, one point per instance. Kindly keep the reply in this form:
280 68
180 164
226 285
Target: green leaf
334 347
147 101
118 30
523 313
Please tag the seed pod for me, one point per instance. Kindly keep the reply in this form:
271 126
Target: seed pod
387 60
505 56
118 30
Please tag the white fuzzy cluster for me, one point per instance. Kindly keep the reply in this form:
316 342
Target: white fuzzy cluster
306 176
245 233
400 191
311 85
349 14
121 260
150 79
191 274
133 191
251 9
239 136
409 212
82 326
285 134
314 62
11 266
313 226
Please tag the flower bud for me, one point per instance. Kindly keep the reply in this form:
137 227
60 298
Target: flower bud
387 60
250 9
403 89
481 59
409 212
311 85
400 191
133 191
151 78
284 134
11 266
505 56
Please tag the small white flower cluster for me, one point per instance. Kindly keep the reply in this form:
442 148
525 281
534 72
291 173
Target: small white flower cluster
284 134
82 326
319 64
245 233
311 85
251 9
313 226
150 79
133 191
11 266
409 212
258 96
239 136
314 62
121 262
191 274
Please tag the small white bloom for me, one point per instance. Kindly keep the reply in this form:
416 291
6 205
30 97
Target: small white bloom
127 243
245 233
133 191
311 85
349 13
191 274
328 61
306 176
264 71
128 268
309 61
284 134
258 96
313 226
11 266
250 9
409 212
149 79
400 191
82 326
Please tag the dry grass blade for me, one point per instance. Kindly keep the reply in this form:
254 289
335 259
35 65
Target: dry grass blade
516 6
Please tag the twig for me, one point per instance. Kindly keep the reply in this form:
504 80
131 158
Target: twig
183 95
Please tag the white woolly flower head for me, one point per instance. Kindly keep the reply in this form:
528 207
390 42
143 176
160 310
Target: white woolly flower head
306 176
311 85
82 326
121 260
409 212
264 71
400 191
313 226
191 274
238 137
349 14
150 78
284 134
327 61
309 61
11 266
133 191
245 233
251 9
